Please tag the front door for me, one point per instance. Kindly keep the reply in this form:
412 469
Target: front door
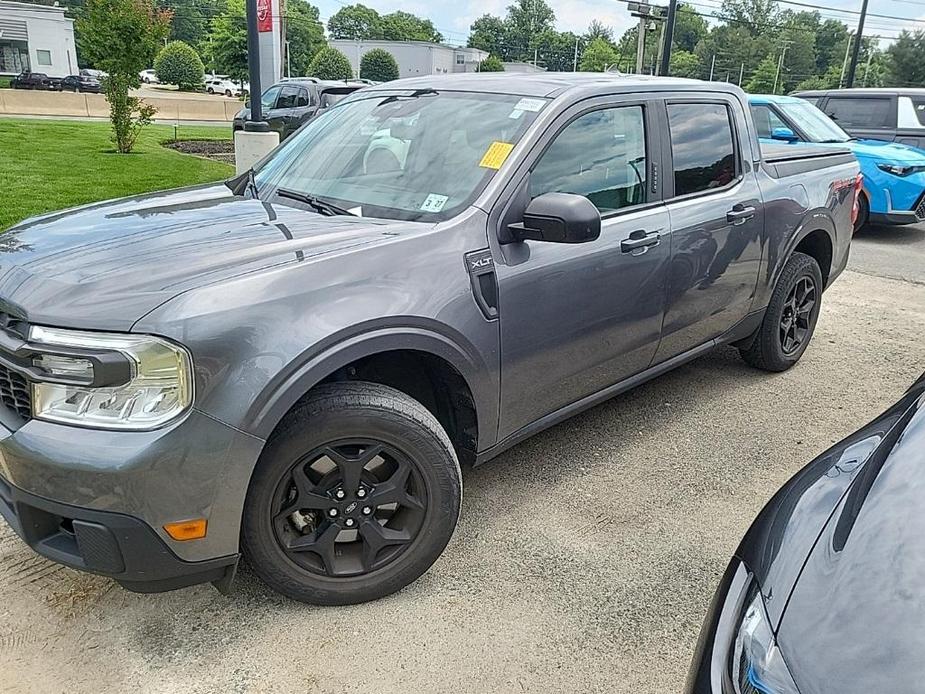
576 318
716 220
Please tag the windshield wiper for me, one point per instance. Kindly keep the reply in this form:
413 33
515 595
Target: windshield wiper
324 207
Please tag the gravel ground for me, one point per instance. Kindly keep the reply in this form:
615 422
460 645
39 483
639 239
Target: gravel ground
584 560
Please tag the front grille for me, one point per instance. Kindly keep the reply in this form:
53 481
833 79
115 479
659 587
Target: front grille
15 393
920 209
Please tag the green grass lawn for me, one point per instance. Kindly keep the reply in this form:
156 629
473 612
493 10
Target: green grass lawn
49 165
5 82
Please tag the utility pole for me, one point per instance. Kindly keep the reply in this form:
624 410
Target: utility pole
640 44
741 73
870 54
645 12
844 65
852 68
575 59
536 54
712 65
656 64
780 64
668 35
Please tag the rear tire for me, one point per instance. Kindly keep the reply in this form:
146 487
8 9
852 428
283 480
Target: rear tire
355 496
863 213
790 319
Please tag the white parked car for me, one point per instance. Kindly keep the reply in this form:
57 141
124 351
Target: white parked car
218 85
149 77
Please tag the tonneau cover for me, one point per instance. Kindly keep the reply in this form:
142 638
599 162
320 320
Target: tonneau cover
774 153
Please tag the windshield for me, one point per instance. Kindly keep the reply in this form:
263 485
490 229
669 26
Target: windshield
418 156
817 126
332 96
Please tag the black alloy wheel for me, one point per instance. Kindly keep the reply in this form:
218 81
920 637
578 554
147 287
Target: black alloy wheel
349 508
796 316
355 496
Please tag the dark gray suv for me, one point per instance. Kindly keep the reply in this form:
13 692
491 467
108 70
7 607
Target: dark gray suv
290 104
294 364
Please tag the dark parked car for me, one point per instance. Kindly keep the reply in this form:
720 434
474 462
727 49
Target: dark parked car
80 83
290 104
893 114
294 365
35 80
825 592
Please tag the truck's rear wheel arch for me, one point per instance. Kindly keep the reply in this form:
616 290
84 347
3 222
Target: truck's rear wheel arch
818 245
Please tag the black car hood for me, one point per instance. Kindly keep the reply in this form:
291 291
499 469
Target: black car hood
105 265
854 621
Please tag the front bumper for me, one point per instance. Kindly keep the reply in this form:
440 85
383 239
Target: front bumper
111 544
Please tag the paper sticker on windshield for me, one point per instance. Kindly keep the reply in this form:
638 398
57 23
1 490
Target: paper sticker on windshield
434 203
527 104
496 154
516 113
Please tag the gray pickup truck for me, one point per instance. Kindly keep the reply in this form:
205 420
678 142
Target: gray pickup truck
291 366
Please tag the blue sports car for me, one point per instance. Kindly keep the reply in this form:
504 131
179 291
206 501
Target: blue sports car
894 174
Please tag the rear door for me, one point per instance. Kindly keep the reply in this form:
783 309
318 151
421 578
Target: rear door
910 119
281 116
866 116
577 318
716 218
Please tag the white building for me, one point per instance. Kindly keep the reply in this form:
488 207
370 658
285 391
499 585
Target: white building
414 57
38 38
522 67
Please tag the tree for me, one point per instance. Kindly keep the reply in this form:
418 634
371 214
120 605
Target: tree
684 64
330 64
598 56
689 29
758 17
762 82
404 26
598 30
226 45
490 34
556 50
305 34
378 65
191 18
526 20
122 37
906 59
491 64
177 63
831 42
355 22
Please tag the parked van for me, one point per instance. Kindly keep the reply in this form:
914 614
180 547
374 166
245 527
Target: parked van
894 115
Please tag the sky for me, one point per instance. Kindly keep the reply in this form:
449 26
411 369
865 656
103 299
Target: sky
453 17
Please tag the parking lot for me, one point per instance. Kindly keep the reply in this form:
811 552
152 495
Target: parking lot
584 559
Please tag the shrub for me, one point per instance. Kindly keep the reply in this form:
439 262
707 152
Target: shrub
379 65
330 64
128 114
491 64
179 64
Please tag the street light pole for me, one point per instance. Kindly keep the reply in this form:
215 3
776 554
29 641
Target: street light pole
255 122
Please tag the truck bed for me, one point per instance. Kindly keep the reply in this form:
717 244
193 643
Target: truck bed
787 160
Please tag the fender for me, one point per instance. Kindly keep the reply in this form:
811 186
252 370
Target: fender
370 338
814 220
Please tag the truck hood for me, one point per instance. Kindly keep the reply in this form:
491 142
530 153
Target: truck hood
105 265
888 152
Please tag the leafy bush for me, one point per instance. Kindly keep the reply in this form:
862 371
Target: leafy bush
179 64
330 64
378 65
491 64
128 114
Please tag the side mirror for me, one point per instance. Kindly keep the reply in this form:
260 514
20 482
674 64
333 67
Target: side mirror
558 218
785 134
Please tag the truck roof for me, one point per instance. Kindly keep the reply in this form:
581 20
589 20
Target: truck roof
865 91
552 84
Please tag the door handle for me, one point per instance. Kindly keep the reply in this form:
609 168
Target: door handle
739 213
640 239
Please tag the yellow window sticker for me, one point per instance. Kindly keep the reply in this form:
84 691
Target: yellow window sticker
496 154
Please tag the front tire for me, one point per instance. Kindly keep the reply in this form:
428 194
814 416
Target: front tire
790 319
863 213
355 496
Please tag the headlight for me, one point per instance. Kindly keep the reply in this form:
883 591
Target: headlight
156 387
756 663
898 170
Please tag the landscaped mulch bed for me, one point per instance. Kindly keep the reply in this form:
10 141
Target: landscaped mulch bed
219 150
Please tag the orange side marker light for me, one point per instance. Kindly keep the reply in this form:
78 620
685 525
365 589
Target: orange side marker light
187 530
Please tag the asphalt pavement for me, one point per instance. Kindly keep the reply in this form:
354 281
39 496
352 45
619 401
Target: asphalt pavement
584 560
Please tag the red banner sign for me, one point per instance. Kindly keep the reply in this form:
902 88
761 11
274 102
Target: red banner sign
264 15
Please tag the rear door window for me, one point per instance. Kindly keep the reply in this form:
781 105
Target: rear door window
860 113
702 147
288 97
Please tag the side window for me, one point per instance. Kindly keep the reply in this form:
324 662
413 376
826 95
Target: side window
268 100
288 97
600 155
766 120
702 147
860 113
911 112
303 99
